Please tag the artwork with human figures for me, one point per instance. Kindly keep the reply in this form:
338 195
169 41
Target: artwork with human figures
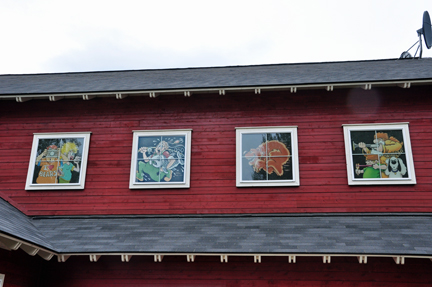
160 159
379 154
266 157
57 161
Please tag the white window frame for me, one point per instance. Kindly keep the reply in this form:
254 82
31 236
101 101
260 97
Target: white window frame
379 127
58 186
150 185
294 156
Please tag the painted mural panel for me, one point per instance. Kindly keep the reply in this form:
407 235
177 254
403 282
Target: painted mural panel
58 161
380 154
160 159
267 156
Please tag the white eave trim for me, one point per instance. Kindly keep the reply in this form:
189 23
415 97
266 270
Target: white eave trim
187 92
257 257
12 243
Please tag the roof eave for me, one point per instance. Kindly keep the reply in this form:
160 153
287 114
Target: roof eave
12 243
187 92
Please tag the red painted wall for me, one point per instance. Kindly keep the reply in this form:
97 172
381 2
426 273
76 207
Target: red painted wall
20 269
213 118
141 271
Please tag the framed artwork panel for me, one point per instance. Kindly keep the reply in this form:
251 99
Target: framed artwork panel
379 154
267 156
58 161
160 159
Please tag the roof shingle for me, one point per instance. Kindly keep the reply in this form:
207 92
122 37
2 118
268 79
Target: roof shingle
217 77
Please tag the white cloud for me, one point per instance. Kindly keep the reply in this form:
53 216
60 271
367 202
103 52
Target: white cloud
52 36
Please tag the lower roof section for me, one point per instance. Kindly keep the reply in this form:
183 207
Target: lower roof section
15 224
369 234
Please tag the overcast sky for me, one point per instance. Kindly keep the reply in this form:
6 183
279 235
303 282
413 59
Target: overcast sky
44 36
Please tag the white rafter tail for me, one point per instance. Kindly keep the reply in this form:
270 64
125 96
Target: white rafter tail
62 258
367 86
330 88
87 97
125 257
3 246
45 255
224 258
291 259
158 258
187 93
293 90
120 96
257 91
11 244
362 259
405 85
221 92
22 99
190 258
94 257
326 258
30 250
257 258
153 95
399 260
55 98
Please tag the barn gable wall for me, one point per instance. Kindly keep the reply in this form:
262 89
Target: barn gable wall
213 118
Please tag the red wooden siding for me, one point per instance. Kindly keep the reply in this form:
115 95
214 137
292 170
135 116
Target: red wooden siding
318 114
24 271
141 271
21 270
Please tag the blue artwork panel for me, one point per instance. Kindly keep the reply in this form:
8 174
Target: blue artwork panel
161 159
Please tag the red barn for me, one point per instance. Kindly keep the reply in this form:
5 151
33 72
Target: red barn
272 175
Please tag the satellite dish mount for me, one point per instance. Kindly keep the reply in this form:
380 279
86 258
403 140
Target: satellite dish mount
426 31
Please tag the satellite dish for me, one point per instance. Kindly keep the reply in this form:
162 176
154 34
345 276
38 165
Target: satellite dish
426 31
405 55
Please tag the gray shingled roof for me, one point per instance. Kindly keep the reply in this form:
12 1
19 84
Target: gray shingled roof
380 234
217 77
337 234
16 224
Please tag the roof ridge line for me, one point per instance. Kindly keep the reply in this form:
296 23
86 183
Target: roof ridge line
203 67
